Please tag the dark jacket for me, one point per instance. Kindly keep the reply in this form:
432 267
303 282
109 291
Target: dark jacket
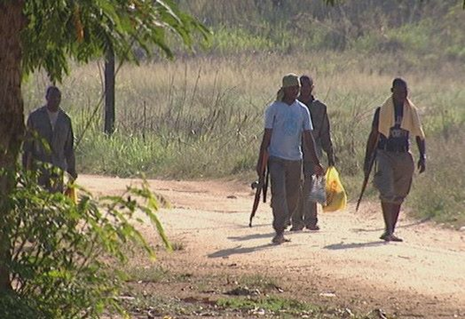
54 146
321 128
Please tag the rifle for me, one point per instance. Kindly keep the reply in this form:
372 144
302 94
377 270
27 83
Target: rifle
367 176
260 186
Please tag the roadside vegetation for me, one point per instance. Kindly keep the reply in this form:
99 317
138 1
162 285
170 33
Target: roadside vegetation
189 295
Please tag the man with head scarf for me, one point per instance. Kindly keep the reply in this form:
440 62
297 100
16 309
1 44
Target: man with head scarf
306 214
49 144
287 124
393 123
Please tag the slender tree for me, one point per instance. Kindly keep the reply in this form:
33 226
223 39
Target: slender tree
43 34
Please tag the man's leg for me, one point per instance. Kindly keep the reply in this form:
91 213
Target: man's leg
388 228
278 198
395 210
403 174
293 185
298 216
384 182
309 211
312 221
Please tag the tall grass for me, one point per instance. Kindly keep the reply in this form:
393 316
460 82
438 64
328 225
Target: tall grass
440 194
203 117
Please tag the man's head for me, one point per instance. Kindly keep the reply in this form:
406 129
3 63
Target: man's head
399 90
53 97
306 86
291 86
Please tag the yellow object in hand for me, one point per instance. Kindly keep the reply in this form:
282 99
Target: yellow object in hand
336 197
71 192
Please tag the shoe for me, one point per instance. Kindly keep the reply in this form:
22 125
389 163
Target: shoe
384 236
313 227
279 239
395 238
297 228
390 237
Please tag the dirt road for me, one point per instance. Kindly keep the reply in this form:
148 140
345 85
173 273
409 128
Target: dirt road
343 263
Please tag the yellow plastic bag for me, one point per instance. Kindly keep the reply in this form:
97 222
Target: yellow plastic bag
71 192
336 197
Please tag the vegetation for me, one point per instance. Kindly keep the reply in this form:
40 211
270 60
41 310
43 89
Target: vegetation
64 255
410 29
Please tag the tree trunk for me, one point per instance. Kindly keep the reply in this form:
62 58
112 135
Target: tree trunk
12 21
109 92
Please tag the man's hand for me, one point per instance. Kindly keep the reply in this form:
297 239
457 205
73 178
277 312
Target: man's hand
319 170
421 164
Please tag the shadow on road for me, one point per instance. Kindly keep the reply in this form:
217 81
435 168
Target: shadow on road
354 245
238 250
415 223
252 236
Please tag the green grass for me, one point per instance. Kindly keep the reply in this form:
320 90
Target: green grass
258 281
270 304
276 306
148 274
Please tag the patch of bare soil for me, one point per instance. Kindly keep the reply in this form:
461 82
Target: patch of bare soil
344 265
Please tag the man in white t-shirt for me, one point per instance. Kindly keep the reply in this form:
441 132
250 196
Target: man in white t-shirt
50 140
287 123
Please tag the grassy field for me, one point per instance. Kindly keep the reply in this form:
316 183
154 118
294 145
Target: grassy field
203 118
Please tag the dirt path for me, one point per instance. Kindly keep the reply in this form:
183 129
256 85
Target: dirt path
345 262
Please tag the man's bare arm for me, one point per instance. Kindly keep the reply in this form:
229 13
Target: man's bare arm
422 149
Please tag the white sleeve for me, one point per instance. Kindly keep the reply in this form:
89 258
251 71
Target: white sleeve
307 119
269 116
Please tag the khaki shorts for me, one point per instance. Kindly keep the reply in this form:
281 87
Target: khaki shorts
393 175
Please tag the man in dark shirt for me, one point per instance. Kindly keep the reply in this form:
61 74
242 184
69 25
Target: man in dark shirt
393 123
50 140
306 213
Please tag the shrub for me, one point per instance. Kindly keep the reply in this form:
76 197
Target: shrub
63 254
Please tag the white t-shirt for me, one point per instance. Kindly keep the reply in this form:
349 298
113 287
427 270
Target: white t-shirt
287 122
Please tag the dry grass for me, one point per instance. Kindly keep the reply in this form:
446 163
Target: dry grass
203 117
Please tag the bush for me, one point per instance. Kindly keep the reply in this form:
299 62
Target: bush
64 254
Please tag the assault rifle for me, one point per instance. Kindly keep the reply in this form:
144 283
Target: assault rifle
367 173
260 186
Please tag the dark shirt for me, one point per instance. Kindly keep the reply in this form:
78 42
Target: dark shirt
60 149
321 128
398 139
